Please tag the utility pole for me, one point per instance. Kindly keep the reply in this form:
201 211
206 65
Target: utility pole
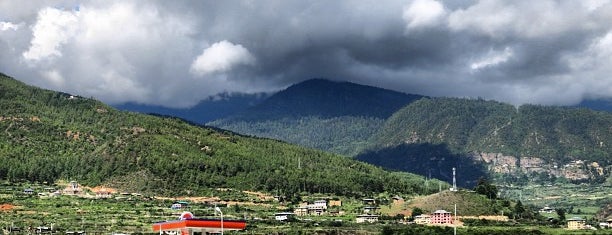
220 212
455 220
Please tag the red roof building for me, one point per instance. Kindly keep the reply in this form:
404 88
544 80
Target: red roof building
187 225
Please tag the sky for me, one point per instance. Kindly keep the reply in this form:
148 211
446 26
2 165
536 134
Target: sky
176 53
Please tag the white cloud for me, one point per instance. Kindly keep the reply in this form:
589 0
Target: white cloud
522 18
492 59
423 13
4 26
53 28
115 52
221 57
592 5
151 52
591 68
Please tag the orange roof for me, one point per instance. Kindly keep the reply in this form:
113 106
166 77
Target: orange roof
200 224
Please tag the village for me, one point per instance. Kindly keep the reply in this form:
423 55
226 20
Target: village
272 211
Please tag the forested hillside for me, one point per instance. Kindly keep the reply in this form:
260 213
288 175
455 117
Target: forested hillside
440 132
487 126
332 116
48 136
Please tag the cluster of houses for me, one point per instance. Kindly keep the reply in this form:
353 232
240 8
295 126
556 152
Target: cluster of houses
606 224
317 208
369 210
74 189
577 223
322 207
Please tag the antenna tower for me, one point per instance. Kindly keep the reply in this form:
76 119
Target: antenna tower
454 188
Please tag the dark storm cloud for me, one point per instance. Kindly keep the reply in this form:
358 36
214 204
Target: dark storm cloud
175 53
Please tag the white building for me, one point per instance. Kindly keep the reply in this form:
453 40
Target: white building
422 219
548 210
366 218
283 216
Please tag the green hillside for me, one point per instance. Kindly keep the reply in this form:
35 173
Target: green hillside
333 116
430 136
468 203
49 135
552 133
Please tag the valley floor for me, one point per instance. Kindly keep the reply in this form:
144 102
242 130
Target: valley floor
134 213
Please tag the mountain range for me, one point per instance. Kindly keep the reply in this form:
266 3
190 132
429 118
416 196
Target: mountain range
49 136
430 136
338 117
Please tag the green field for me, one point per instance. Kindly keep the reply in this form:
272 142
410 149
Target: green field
577 200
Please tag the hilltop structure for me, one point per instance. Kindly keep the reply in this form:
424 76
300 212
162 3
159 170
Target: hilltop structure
454 188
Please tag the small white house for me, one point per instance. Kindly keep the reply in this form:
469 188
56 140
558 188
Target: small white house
176 206
422 219
321 204
366 218
283 216
547 209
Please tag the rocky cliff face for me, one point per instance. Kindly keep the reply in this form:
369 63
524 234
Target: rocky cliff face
576 171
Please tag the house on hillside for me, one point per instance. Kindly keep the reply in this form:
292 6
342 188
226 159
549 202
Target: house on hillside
366 218
317 208
547 210
73 189
422 219
176 206
301 211
333 203
607 224
370 209
441 217
179 205
50 189
576 223
28 191
103 193
283 216
369 201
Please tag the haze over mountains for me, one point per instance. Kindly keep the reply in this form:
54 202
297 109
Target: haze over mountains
210 109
